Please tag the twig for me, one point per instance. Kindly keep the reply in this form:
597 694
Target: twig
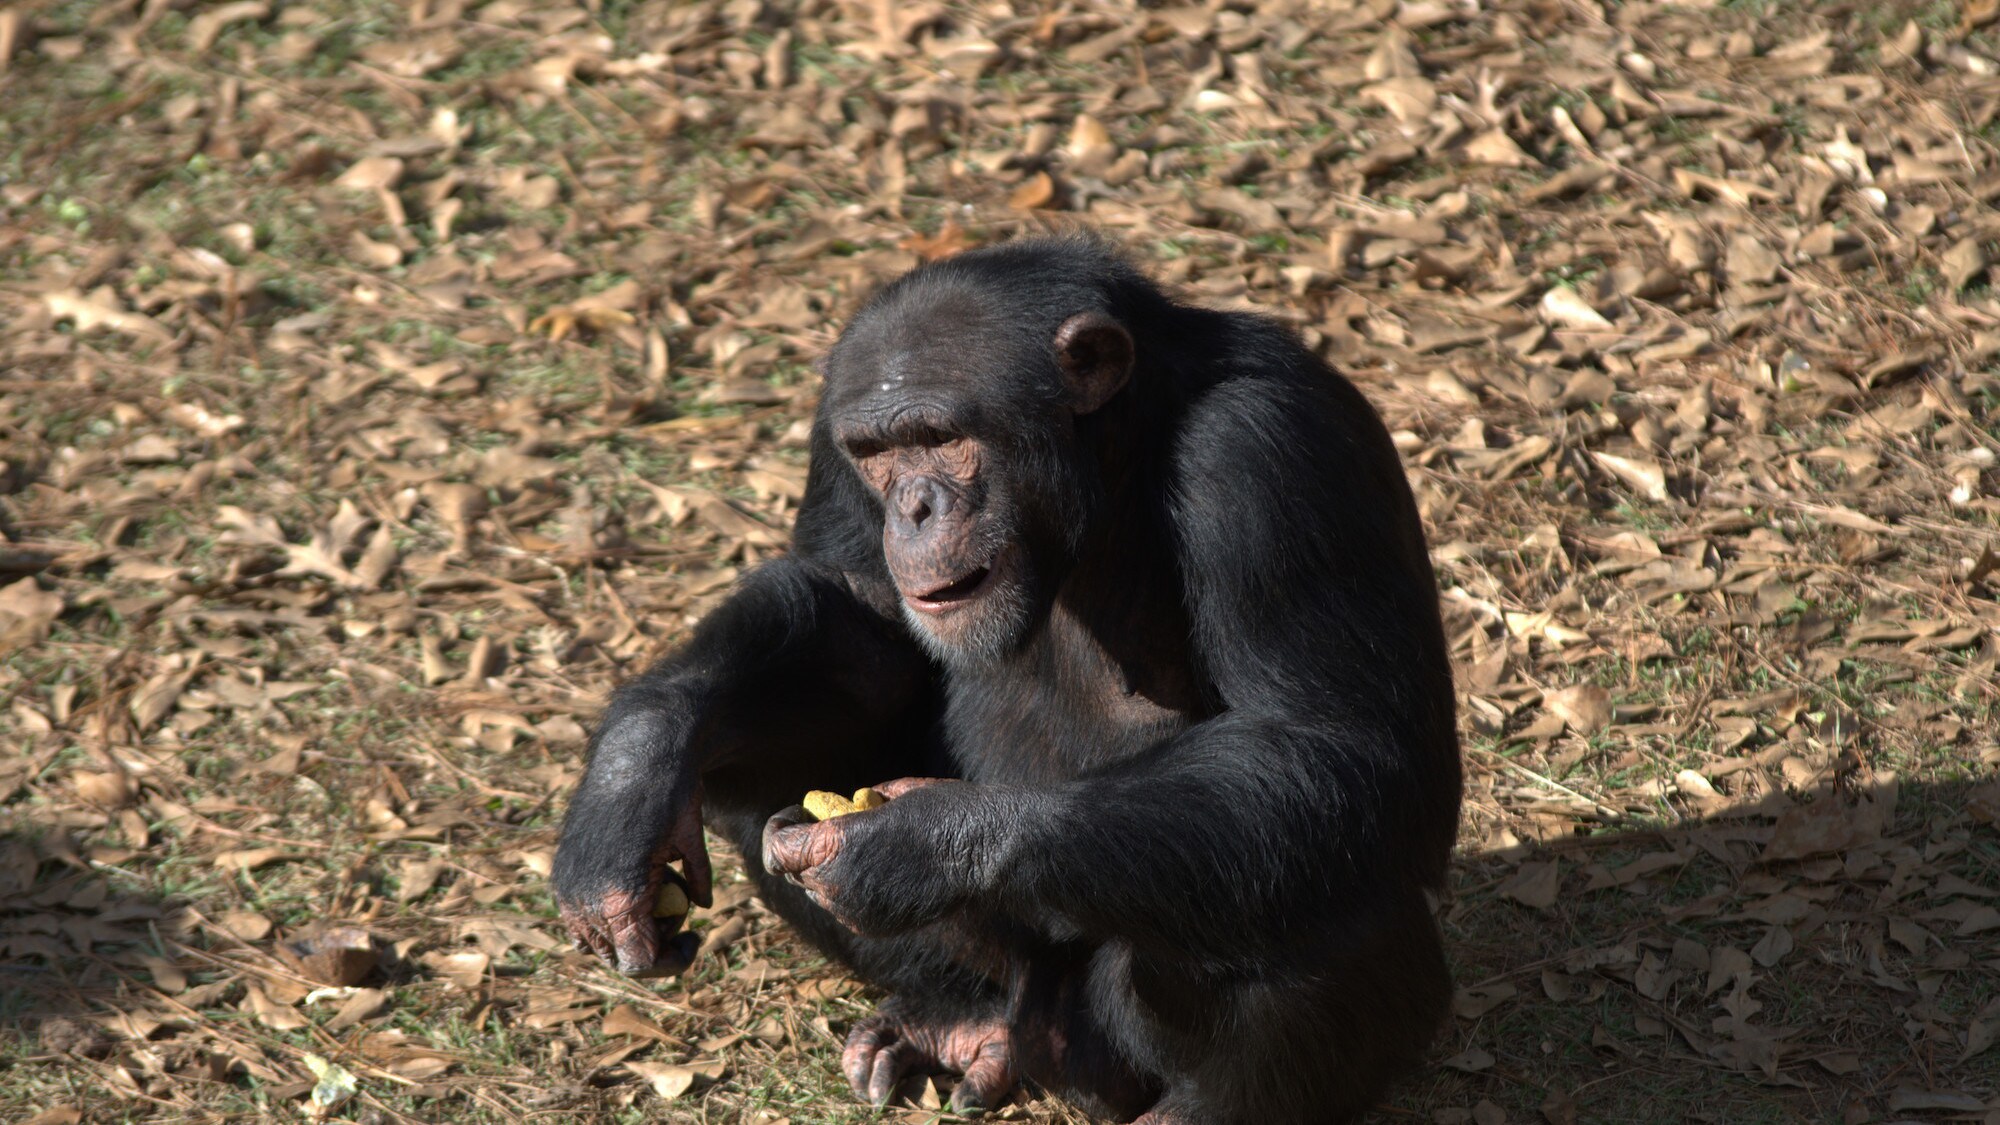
1603 810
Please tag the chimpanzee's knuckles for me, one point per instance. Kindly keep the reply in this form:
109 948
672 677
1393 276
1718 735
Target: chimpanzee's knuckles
903 785
792 849
774 851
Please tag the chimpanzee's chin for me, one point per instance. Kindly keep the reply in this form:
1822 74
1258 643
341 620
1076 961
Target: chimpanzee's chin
985 631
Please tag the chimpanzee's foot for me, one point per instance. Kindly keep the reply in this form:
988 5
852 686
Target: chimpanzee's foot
884 1047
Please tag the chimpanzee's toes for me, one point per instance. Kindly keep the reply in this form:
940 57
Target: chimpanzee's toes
882 1049
988 1079
868 1039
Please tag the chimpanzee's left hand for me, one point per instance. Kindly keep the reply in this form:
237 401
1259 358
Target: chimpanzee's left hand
888 869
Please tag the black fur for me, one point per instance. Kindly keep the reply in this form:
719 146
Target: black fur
1210 783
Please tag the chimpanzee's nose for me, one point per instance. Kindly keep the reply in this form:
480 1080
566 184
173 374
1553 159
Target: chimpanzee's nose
916 502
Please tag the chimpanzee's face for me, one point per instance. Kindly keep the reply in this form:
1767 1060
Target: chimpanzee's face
960 419
952 537
956 531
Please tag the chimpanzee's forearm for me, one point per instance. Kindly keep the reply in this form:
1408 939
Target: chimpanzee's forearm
786 671
1237 838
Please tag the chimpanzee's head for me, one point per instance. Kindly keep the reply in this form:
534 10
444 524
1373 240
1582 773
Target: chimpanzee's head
954 394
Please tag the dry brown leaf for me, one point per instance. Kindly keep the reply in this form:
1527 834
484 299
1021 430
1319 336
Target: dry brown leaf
465 970
1964 263
563 321
668 1080
623 1020
270 1013
1639 473
1584 708
1841 515
158 694
15 33
1474 1001
1089 139
1566 307
372 173
950 239
1828 826
244 925
1409 99
1037 191
107 790
1983 1031
210 21
376 255
27 612
1471 1061
1948 1101
1497 148
1535 885
249 859
363 1004
495 936
97 310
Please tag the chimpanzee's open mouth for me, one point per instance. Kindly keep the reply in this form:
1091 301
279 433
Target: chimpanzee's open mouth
951 593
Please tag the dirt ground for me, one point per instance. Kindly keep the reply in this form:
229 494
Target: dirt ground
380 382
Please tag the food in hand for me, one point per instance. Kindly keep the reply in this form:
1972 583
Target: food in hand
825 806
671 902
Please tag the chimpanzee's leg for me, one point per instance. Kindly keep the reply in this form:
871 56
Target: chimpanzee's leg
1304 1042
946 1009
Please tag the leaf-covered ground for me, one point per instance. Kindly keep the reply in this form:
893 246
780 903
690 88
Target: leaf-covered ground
380 382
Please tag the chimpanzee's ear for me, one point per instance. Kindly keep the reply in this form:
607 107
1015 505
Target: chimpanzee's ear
1095 354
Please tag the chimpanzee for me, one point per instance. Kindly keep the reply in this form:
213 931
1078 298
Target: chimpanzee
1132 601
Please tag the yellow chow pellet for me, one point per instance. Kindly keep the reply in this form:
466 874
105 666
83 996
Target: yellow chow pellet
824 805
671 902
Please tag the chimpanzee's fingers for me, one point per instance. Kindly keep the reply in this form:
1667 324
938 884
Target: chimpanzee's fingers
634 939
785 847
692 847
636 947
578 930
592 938
902 785
791 848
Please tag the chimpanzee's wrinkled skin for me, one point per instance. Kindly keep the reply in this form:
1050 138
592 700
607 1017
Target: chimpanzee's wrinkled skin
1142 586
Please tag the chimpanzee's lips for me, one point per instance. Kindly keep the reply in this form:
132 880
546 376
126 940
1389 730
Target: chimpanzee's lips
958 590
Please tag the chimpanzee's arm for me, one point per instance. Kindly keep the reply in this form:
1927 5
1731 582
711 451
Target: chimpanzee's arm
1328 786
794 682
1332 779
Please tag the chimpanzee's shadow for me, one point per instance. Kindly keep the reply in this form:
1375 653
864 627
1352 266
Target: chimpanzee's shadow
74 939
1681 974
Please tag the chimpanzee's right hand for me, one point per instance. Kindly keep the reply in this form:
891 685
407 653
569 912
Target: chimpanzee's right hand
626 824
